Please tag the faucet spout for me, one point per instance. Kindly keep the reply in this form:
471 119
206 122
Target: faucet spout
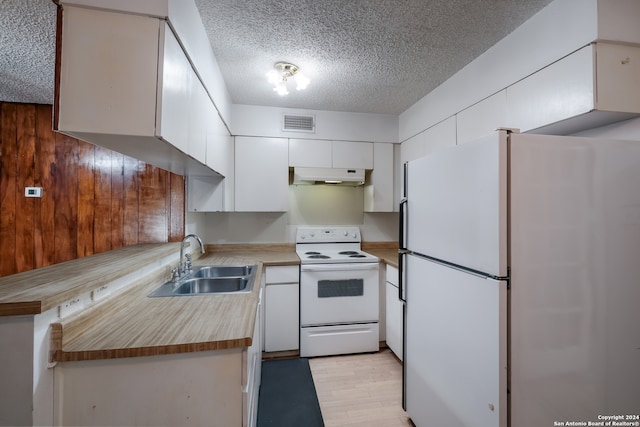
181 265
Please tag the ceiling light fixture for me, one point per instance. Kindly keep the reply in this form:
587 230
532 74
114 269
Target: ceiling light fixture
282 72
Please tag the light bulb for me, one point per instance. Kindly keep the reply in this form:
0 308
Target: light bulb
302 81
274 77
281 89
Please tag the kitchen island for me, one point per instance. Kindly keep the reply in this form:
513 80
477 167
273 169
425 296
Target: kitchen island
88 347
118 353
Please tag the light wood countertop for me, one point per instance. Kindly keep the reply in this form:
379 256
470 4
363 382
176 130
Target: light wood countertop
128 323
386 251
131 324
36 291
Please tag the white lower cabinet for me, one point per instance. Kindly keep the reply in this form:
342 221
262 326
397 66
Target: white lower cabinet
210 388
394 311
252 372
188 389
282 312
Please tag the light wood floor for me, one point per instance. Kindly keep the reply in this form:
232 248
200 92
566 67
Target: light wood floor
363 390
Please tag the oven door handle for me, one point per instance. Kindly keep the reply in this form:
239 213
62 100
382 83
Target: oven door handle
339 267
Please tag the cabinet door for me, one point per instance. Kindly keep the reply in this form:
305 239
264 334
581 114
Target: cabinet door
378 195
282 327
261 174
350 154
394 320
309 153
618 71
199 109
394 309
113 58
219 146
205 193
560 91
482 118
176 89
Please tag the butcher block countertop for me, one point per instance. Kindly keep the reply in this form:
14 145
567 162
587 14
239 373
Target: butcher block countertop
386 251
132 324
36 291
127 323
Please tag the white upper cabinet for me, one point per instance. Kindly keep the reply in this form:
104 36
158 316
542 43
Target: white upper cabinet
600 79
126 84
107 78
310 153
562 90
378 190
482 118
261 174
330 154
350 154
199 116
174 104
618 77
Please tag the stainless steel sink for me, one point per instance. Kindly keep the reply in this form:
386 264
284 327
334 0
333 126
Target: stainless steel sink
210 279
212 286
223 271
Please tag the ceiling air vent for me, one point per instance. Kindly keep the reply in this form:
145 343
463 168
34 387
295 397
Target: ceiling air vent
296 123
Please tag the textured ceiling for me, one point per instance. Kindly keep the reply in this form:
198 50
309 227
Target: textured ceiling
27 50
371 56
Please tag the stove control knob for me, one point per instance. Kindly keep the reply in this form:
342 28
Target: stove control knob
354 235
346 233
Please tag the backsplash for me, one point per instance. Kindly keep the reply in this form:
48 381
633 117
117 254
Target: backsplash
93 199
308 205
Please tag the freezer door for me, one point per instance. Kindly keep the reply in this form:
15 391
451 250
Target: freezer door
575 279
455 357
457 205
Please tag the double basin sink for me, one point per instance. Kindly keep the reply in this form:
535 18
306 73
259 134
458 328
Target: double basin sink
210 279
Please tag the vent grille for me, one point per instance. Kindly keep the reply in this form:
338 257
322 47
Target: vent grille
296 123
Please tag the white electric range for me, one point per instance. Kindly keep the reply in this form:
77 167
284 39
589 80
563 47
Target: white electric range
339 289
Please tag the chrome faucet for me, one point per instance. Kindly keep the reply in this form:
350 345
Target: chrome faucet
182 266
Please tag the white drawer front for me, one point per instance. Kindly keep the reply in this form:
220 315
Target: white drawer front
282 274
340 339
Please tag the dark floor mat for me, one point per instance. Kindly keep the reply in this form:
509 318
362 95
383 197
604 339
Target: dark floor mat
288 395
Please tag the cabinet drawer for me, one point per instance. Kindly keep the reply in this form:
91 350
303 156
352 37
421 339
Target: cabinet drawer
282 274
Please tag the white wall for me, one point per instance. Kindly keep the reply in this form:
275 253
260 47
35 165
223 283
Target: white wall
309 205
253 120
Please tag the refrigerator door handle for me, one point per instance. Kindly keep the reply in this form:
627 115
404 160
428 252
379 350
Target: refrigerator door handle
403 218
402 249
401 254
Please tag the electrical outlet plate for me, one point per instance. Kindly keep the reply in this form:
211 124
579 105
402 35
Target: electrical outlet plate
33 192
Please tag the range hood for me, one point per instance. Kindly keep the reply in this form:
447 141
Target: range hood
328 176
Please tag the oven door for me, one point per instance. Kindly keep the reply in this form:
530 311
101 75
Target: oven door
332 294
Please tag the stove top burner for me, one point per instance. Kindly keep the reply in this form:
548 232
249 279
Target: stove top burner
312 253
357 256
351 253
318 256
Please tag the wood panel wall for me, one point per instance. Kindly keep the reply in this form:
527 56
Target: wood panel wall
94 199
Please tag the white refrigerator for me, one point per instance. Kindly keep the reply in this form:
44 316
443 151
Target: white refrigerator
520 271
